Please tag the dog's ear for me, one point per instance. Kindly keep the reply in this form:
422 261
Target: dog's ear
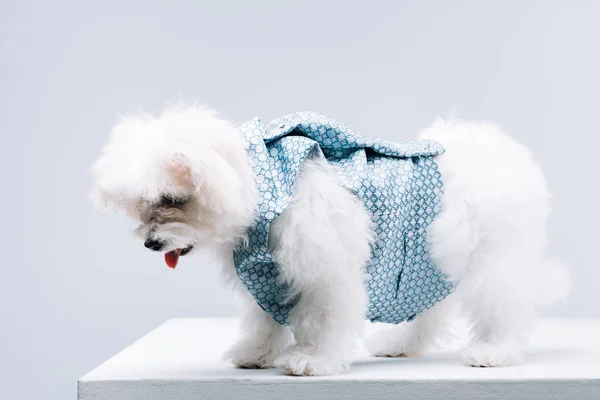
181 174
210 177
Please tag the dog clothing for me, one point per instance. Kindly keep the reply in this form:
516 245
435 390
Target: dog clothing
399 184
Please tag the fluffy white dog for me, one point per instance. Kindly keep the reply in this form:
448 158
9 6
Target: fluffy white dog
186 176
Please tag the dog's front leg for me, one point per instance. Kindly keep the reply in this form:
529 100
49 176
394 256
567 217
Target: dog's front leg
321 243
326 323
262 339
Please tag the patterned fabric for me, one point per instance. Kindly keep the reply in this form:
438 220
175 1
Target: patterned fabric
399 184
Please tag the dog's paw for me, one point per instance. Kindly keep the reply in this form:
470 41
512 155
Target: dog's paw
394 342
250 355
492 355
299 361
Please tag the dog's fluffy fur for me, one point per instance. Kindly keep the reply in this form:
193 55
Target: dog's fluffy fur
185 176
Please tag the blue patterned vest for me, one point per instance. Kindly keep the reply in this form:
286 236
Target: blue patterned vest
399 184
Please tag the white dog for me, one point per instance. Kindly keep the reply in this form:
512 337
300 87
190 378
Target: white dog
187 176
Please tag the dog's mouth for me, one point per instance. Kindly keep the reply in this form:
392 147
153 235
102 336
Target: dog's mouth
172 257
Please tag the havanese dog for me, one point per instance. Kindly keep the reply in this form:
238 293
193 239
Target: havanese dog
319 227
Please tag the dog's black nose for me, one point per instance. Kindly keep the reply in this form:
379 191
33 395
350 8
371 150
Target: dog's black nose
153 244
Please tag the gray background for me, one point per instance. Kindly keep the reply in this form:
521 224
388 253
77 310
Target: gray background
75 285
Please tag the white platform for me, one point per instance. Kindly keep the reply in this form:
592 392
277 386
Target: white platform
181 360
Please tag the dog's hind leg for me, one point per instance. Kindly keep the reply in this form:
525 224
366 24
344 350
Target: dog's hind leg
321 243
415 338
495 260
500 291
495 270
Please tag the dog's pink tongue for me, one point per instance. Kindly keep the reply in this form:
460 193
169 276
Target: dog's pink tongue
172 257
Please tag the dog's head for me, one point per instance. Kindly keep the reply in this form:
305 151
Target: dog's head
184 176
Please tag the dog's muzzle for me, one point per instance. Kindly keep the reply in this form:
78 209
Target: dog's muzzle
171 257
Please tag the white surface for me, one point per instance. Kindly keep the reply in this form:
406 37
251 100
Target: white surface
181 359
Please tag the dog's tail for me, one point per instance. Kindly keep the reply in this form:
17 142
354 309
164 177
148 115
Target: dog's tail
555 282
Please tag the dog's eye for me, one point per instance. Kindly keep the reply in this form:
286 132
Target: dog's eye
174 201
